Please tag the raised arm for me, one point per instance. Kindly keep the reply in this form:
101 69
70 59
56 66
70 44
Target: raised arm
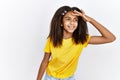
105 37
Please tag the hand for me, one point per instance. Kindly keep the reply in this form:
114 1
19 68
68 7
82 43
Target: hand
82 14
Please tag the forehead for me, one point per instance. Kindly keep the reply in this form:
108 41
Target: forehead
70 14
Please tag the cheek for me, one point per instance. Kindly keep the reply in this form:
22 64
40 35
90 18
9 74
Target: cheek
76 24
68 23
65 23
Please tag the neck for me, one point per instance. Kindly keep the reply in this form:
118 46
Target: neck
67 35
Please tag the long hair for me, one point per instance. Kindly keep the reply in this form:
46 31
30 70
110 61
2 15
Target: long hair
56 31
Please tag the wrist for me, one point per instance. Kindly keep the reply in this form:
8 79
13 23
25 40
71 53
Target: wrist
90 20
87 18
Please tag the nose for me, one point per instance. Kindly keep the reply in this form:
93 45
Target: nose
71 22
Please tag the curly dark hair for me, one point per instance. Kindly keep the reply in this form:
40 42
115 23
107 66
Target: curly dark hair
56 31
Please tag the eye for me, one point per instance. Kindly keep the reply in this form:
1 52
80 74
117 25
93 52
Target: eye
76 20
67 18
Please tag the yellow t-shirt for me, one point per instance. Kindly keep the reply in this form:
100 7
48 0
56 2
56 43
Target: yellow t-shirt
64 59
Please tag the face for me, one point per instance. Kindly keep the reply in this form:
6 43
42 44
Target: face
70 22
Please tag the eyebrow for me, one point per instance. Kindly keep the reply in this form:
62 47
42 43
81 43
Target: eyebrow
67 17
70 17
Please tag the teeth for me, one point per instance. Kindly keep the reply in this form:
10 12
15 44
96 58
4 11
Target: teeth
71 27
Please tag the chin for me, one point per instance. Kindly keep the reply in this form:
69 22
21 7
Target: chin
70 31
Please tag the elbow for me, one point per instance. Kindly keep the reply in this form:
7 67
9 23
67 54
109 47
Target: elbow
113 38
44 63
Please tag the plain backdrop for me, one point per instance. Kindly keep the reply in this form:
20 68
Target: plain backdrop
24 27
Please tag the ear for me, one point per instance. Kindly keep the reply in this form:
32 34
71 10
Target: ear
61 25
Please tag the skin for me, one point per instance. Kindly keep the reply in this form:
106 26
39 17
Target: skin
105 37
70 24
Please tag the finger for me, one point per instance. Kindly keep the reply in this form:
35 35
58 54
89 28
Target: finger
83 11
78 13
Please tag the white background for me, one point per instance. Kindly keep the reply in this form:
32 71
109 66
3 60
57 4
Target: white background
24 26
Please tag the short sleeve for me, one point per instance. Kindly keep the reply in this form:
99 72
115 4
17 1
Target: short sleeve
86 43
47 46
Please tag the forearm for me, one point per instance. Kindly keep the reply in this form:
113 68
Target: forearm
105 33
105 37
41 70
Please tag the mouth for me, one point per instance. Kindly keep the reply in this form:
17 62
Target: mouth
71 27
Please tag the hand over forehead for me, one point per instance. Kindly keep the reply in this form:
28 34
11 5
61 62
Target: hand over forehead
77 13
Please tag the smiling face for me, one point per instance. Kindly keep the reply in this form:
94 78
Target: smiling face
70 23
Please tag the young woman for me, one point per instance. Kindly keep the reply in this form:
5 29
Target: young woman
67 38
